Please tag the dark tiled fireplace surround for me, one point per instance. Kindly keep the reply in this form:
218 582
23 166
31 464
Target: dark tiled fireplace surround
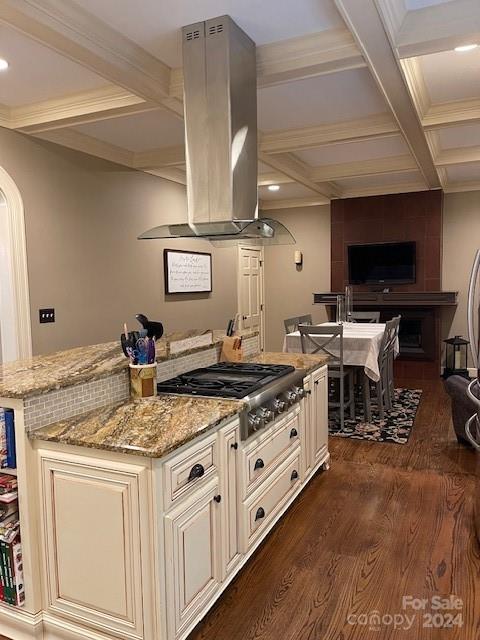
395 218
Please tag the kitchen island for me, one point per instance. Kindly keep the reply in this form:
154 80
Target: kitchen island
136 515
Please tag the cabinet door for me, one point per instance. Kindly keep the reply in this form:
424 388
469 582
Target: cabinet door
96 551
192 556
229 452
319 414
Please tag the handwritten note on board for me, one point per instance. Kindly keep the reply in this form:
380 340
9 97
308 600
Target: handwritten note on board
187 272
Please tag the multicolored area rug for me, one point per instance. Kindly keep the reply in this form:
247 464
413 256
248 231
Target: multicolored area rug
396 426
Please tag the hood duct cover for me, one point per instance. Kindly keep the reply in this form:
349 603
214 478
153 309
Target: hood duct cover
220 103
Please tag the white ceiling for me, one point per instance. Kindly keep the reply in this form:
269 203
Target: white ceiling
450 75
353 151
333 84
36 73
323 99
139 132
156 24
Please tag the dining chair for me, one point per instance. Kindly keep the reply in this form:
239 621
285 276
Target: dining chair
291 324
329 340
364 316
383 397
391 358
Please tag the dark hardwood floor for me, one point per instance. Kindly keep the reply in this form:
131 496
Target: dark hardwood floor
386 521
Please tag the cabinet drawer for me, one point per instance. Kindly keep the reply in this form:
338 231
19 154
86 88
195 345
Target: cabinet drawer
259 510
262 458
186 471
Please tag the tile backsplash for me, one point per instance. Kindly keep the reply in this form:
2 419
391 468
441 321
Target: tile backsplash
61 404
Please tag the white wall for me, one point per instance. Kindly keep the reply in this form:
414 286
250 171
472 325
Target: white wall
8 344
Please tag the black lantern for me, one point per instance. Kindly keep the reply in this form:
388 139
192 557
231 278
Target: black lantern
456 357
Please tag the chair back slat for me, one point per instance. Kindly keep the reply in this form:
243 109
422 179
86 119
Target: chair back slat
291 324
319 339
388 341
364 316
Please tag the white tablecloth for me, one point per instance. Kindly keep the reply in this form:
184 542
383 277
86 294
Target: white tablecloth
361 345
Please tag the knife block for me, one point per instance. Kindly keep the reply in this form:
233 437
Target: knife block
229 354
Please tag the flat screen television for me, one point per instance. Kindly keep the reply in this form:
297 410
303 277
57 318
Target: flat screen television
385 263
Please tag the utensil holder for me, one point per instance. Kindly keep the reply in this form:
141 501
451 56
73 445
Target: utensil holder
229 354
143 380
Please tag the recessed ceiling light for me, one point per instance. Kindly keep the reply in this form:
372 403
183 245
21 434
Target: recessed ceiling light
3 64
466 47
273 187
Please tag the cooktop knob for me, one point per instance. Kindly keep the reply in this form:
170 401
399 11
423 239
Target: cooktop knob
278 405
291 396
255 421
300 391
265 414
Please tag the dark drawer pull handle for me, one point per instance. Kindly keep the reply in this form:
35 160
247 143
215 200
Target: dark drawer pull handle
293 433
259 464
196 471
260 513
308 392
294 475
217 498
234 445
317 382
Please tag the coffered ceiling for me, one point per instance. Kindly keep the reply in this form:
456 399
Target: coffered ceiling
354 97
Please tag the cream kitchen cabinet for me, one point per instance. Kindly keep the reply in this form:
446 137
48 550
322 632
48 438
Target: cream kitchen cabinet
315 416
193 559
96 542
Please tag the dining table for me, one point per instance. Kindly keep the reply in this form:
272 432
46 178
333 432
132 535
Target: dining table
362 342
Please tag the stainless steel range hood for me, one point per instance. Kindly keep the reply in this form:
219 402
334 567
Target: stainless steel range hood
220 103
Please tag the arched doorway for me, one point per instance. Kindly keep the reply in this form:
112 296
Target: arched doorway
15 328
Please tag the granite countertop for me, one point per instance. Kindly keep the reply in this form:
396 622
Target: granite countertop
153 427
41 374
306 361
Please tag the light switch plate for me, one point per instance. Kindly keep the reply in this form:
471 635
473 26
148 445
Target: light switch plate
46 315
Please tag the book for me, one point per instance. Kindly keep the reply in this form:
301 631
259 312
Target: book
7 483
7 509
9 497
17 558
3 440
10 439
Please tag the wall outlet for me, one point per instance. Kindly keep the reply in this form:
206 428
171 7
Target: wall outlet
46 315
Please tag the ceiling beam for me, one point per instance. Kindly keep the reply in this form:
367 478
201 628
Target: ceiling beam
89 106
377 126
297 171
367 28
457 187
462 155
174 174
402 187
359 168
307 56
291 203
160 158
67 28
439 27
447 114
274 177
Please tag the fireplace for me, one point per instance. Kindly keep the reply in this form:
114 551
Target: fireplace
417 335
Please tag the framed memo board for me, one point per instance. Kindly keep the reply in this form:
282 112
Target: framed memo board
187 271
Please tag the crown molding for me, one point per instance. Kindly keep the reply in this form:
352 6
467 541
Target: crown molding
282 141
160 158
459 187
87 144
447 114
359 168
403 187
274 177
174 174
393 13
88 106
460 155
365 23
292 203
5 116
413 74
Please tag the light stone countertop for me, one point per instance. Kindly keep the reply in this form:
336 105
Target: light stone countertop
157 426
41 374
152 427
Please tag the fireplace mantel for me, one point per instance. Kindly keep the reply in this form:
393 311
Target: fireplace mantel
393 299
